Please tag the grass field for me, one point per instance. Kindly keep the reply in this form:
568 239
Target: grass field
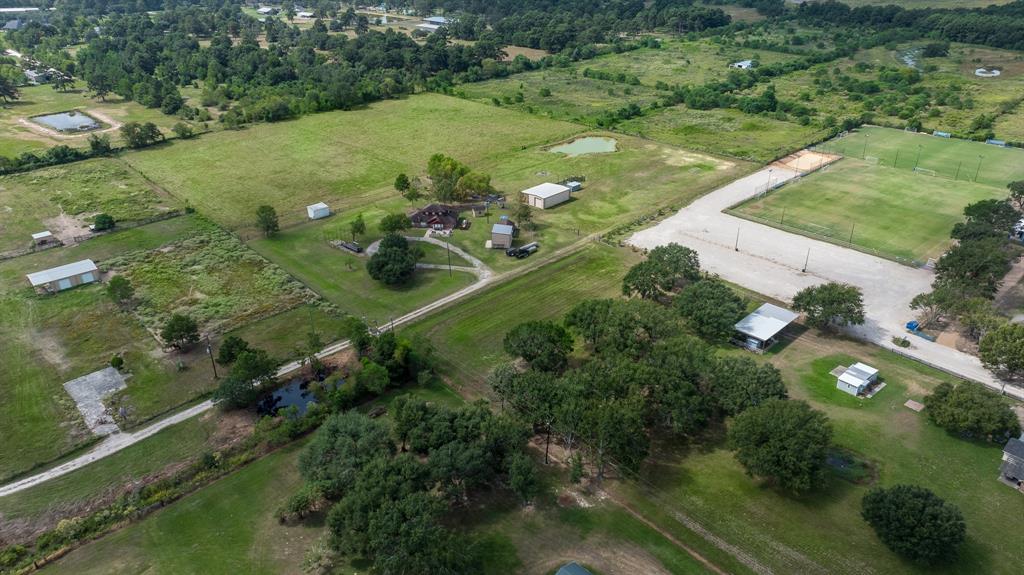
723 131
348 159
469 336
341 278
63 199
791 535
16 137
893 212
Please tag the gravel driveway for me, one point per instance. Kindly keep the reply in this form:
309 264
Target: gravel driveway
771 261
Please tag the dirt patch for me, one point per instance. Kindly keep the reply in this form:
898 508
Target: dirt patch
680 158
232 427
807 161
67 227
49 347
530 53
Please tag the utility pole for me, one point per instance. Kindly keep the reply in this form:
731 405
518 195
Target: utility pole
736 247
783 220
978 171
853 226
807 260
209 351
897 160
958 170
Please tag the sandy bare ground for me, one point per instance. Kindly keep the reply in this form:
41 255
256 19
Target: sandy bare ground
772 262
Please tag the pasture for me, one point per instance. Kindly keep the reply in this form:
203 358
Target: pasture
63 199
891 212
723 131
348 159
19 135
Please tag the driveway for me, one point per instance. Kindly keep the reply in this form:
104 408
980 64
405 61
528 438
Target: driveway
771 261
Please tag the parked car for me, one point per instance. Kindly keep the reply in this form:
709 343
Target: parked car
525 251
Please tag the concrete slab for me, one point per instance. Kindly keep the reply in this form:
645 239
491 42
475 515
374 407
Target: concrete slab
914 405
89 391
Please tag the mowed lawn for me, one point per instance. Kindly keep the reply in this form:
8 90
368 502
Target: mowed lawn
790 534
469 335
348 159
963 160
893 212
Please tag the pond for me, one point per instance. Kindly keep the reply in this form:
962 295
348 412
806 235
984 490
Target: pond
68 121
588 145
296 393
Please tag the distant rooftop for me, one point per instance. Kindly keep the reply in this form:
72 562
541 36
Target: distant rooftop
765 322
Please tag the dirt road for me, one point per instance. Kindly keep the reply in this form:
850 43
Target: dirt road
771 261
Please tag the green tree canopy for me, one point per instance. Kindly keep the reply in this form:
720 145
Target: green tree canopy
739 383
230 348
967 408
394 261
357 226
266 220
545 345
915 523
831 304
973 268
342 446
1002 350
180 331
711 307
394 223
252 369
664 269
120 289
783 441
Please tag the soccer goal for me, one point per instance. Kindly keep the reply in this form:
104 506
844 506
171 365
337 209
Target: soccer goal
925 171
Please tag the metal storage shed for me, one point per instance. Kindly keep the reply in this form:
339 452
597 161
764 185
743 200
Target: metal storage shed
546 195
501 236
65 277
317 211
757 331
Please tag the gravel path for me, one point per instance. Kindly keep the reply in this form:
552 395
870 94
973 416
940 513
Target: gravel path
771 261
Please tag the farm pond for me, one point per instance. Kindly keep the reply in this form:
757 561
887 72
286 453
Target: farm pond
586 145
296 393
68 121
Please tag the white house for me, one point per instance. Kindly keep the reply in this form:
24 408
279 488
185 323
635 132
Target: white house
857 379
546 195
432 23
317 211
742 64
64 277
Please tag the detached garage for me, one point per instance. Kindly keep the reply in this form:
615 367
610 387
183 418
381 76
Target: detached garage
546 195
64 277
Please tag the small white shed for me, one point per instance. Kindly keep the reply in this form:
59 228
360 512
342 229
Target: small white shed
546 195
857 379
317 211
40 238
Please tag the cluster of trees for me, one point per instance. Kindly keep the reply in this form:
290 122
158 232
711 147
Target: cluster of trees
453 181
915 523
387 504
970 410
394 262
968 276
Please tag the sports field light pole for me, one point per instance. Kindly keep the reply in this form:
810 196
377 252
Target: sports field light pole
736 246
918 156
806 260
864 152
978 171
897 160
958 170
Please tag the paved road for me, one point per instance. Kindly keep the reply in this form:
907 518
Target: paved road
771 261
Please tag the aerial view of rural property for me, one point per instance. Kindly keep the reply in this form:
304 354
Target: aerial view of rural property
540 287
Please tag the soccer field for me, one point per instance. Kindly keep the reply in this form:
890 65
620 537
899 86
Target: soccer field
962 160
895 213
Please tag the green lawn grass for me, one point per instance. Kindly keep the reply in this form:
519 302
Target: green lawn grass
348 159
893 212
32 200
341 278
948 158
723 131
17 138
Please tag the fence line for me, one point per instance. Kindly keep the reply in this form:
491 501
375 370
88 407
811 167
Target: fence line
30 250
130 225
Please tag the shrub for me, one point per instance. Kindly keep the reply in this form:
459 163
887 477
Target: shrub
117 362
102 222
914 522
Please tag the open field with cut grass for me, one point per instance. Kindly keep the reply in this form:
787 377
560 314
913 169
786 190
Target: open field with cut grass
893 212
793 534
18 136
340 276
63 199
723 131
51 339
469 335
348 159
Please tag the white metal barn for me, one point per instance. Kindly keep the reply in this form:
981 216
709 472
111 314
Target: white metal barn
546 195
65 277
857 379
317 211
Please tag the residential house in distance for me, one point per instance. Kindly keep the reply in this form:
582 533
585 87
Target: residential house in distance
266 11
759 330
435 217
318 211
64 277
742 65
546 195
857 379
501 236
1011 472
14 25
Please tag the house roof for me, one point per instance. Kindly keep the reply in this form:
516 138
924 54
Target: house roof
1012 468
858 374
439 20
61 272
1015 447
765 322
572 568
41 235
546 190
317 206
502 229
